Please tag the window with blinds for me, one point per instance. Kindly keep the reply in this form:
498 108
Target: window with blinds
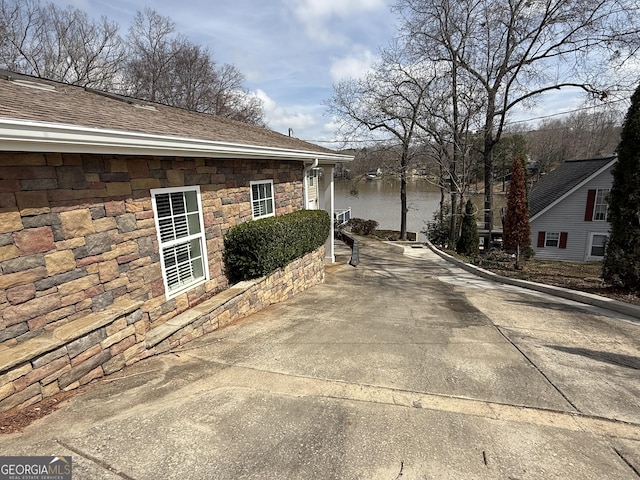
181 238
262 204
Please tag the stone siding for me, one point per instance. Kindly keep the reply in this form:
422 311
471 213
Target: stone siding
77 231
78 238
99 344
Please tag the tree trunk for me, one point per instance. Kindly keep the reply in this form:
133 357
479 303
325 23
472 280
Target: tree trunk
403 195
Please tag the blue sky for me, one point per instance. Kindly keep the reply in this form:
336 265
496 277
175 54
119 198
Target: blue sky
290 51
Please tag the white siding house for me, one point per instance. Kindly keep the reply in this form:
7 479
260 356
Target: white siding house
568 211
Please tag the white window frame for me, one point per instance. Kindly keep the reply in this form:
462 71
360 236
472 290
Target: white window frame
547 239
601 205
257 210
592 235
187 239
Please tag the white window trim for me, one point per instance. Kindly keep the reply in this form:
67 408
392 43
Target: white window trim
605 203
546 237
588 256
273 199
202 236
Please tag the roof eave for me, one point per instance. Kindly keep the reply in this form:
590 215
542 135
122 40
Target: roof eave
33 136
579 185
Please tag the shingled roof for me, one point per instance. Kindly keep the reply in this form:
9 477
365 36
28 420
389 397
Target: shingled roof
38 102
569 176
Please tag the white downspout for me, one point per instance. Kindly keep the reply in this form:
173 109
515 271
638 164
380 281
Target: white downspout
305 182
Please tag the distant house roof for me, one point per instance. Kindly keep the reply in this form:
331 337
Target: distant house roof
564 180
42 115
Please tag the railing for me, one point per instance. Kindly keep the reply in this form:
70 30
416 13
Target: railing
341 216
352 242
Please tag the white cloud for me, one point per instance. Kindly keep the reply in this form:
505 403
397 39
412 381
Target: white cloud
352 66
282 119
312 9
317 14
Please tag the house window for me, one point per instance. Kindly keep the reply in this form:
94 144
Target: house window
600 206
552 239
262 199
181 239
597 244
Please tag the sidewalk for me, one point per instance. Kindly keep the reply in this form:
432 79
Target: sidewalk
404 367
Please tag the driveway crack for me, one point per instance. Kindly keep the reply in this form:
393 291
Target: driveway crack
538 369
95 460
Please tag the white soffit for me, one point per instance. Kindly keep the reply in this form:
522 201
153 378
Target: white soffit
32 136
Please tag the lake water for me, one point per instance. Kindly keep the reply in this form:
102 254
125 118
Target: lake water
379 200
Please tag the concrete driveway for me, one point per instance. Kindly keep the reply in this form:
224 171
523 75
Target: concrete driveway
405 367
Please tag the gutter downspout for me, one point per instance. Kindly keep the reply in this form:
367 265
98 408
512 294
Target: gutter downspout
305 181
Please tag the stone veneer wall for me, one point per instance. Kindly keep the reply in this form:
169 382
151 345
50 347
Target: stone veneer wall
77 235
77 231
78 352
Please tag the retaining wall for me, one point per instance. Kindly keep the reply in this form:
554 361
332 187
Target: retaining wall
104 342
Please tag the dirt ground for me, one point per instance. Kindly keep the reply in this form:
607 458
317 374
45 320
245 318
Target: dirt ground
18 418
585 277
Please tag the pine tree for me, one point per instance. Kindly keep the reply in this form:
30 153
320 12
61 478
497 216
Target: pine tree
468 243
517 231
622 257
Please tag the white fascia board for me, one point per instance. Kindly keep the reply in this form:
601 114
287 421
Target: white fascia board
580 185
33 136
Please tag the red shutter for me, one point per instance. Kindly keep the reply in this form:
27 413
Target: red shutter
591 201
563 240
541 236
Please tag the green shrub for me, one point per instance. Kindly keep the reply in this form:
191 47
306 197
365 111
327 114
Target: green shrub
439 229
360 226
254 249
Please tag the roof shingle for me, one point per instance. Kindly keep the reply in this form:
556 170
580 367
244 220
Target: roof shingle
73 105
562 180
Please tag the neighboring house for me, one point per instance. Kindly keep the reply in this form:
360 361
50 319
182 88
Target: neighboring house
112 217
569 211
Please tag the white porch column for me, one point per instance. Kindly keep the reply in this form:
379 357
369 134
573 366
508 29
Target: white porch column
329 255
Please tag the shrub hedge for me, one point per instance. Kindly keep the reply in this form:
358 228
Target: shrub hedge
254 249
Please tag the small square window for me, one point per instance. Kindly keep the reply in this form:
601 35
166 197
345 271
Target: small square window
552 239
262 204
598 242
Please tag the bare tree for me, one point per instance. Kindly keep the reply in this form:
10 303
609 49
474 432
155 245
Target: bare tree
165 67
60 44
387 103
232 98
152 50
515 50
446 121
580 135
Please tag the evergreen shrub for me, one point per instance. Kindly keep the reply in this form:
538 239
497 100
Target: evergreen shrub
468 243
438 230
258 248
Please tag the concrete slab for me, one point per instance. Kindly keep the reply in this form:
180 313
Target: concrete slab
404 367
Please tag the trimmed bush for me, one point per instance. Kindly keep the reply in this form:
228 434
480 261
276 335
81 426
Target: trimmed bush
254 249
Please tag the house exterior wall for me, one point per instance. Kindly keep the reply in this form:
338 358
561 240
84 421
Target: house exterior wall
77 231
569 216
80 276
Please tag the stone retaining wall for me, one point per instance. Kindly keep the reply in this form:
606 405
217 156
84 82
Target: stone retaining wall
89 348
78 243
